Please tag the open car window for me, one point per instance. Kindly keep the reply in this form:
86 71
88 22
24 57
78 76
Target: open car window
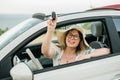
86 26
35 45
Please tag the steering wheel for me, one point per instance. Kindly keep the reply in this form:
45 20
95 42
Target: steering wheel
36 62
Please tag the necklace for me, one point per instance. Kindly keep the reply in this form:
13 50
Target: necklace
69 58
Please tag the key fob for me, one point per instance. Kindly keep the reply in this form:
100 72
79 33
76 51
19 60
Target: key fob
53 15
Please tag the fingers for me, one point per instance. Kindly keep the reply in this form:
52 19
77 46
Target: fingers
52 22
49 22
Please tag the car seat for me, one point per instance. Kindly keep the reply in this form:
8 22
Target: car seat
97 30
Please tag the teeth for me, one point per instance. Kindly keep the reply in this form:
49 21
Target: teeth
71 42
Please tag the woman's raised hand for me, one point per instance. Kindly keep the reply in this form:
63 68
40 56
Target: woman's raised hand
51 24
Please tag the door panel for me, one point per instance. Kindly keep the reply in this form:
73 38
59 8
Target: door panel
104 69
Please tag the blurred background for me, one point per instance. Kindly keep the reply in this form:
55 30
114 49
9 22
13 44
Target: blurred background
13 12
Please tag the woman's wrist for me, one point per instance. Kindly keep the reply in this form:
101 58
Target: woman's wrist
50 31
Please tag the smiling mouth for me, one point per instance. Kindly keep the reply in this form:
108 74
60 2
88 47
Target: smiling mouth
71 42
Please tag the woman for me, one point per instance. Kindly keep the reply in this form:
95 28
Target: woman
72 47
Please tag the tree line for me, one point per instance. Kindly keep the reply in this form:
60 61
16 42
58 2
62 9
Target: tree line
3 31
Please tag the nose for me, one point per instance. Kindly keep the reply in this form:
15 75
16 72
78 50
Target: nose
72 37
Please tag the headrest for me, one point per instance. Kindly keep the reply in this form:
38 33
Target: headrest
97 29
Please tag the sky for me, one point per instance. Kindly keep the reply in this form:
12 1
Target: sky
13 12
47 6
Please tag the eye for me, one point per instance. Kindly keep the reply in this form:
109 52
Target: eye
70 35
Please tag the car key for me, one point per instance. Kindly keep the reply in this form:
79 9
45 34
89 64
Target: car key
53 15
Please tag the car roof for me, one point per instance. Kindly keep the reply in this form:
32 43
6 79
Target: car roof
105 10
110 10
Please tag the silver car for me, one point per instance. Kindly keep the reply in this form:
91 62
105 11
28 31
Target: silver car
21 57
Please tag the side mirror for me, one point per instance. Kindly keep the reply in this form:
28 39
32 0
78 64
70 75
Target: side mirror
21 72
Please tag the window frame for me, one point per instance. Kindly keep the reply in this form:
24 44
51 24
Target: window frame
74 21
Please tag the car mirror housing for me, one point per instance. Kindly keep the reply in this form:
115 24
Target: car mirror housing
39 16
21 72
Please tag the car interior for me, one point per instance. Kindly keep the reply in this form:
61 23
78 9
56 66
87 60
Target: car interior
97 29
96 37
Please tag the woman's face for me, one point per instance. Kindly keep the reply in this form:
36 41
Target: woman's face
72 39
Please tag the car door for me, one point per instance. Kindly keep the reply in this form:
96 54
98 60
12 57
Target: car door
100 68
105 69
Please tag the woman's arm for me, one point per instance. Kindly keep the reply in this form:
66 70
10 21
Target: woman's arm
96 53
100 52
46 45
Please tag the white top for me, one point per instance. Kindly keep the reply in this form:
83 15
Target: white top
59 52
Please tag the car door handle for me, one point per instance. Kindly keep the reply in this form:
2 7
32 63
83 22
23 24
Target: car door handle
116 77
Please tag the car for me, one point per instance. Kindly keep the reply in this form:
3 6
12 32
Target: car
20 48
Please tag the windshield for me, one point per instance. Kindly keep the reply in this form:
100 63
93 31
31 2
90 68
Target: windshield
16 31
